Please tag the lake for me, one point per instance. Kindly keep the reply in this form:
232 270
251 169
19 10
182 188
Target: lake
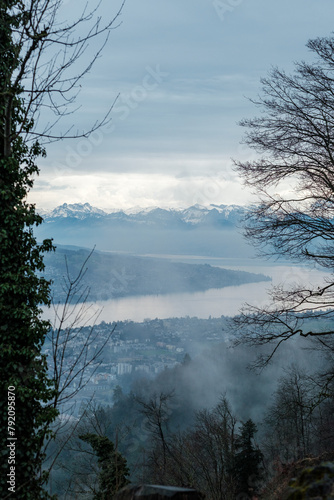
215 302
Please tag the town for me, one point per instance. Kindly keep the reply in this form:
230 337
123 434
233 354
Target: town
133 350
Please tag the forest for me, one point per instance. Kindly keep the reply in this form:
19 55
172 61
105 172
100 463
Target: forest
209 423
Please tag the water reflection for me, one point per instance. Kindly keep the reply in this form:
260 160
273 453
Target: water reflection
215 302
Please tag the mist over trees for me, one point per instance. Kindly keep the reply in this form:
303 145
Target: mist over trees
208 423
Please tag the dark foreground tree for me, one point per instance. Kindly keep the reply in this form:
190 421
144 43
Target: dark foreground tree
248 461
292 425
25 387
294 137
37 50
201 457
112 465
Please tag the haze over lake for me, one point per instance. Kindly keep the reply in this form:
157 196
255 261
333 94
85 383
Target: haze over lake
140 247
214 302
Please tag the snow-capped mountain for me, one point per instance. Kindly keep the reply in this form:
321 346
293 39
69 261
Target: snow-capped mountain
198 230
198 214
76 210
192 216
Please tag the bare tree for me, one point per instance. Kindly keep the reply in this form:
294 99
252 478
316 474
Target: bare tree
200 457
70 330
49 66
294 179
156 411
76 353
209 450
290 418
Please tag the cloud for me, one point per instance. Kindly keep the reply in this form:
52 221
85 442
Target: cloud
182 71
115 190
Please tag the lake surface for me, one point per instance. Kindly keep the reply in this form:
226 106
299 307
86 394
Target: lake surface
215 302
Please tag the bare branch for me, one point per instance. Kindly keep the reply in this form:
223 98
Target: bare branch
295 138
50 55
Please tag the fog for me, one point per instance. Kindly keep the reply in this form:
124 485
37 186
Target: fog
225 301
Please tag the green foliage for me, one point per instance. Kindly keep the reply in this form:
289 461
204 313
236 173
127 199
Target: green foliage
313 482
248 460
22 331
112 465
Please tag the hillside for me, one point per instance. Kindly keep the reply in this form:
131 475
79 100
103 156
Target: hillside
112 275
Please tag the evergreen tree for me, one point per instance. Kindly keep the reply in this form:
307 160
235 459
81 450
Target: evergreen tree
248 460
25 386
112 465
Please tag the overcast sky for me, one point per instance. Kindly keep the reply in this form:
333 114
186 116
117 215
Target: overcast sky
184 70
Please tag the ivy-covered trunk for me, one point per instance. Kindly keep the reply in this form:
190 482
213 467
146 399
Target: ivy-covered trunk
25 388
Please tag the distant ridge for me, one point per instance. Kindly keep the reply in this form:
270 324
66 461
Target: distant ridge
77 210
112 275
194 215
213 231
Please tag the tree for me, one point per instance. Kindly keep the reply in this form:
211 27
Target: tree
69 334
157 412
294 179
201 457
25 386
210 450
290 418
248 460
299 422
37 51
44 66
113 467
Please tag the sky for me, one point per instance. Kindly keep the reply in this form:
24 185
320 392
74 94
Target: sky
182 72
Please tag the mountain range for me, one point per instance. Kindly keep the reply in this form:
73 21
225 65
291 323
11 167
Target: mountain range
221 215
213 231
